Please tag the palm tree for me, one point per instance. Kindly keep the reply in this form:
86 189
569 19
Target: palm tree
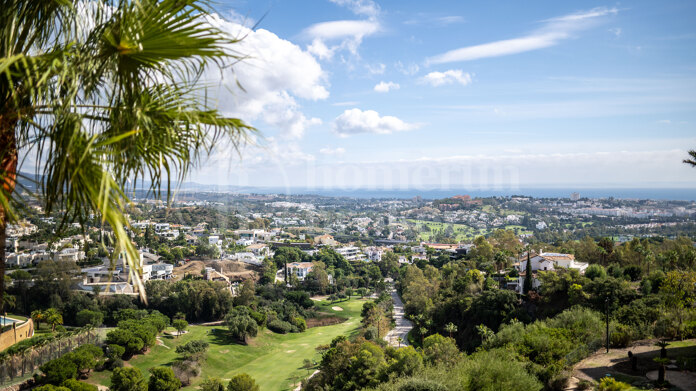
450 328
38 316
104 97
400 340
53 317
692 160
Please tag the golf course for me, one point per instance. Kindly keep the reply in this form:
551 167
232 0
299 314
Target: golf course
275 361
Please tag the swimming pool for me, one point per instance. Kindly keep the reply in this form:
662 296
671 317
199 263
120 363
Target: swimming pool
5 321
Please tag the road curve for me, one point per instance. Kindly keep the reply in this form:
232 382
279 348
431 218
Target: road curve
403 325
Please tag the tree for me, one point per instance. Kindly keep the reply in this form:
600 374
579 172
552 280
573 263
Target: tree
75 385
242 326
37 316
53 317
692 160
438 349
87 317
163 379
180 325
528 278
58 370
128 379
679 292
242 382
450 328
246 293
119 92
212 384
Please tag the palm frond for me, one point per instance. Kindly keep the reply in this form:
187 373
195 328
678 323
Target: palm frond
692 160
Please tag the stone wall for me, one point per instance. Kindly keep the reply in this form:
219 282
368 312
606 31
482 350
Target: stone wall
19 332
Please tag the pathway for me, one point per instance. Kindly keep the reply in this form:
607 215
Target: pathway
403 325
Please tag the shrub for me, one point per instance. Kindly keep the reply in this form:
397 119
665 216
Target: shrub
595 271
371 333
633 272
212 384
279 326
127 379
87 317
498 369
50 387
186 370
75 385
422 385
192 348
59 370
116 363
584 385
621 337
300 323
242 382
163 379
611 384
114 351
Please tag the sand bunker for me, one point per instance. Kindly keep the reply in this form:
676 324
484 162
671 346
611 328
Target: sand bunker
337 308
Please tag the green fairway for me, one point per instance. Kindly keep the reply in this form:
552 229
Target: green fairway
274 360
463 232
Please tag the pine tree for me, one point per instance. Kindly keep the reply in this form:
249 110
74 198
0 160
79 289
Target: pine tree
528 286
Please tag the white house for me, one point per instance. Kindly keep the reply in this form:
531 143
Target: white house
351 253
300 269
547 262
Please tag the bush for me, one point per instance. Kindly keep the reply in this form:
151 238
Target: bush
633 272
87 317
584 385
242 382
50 387
114 351
279 326
212 384
371 333
127 379
192 348
116 363
595 271
59 370
75 385
163 379
621 337
300 323
611 384
422 385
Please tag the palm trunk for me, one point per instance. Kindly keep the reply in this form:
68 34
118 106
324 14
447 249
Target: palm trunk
8 177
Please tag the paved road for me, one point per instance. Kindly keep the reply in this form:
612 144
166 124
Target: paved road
403 325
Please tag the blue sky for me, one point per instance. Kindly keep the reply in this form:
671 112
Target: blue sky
414 94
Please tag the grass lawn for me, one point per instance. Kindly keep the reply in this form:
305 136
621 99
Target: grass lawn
274 360
462 231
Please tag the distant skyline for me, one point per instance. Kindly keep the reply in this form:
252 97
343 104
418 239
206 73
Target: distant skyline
481 95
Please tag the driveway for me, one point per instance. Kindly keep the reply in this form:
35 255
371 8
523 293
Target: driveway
403 325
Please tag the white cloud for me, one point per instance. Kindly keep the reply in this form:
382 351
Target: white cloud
553 32
664 121
274 74
616 31
356 121
330 37
332 151
360 7
377 69
428 20
408 70
346 103
386 87
451 76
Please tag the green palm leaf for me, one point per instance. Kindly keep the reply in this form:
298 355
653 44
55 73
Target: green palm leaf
105 104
